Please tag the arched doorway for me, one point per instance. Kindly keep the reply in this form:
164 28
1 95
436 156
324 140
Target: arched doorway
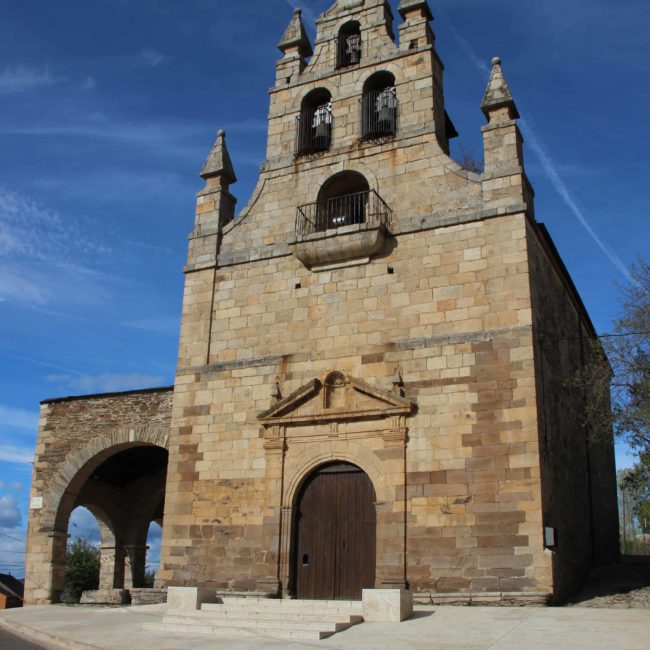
335 534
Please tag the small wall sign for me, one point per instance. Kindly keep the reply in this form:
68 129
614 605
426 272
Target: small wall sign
36 503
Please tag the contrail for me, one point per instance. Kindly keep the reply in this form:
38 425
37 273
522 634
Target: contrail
309 14
469 50
551 172
549 167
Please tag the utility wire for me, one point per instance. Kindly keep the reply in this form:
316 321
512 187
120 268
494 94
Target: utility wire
10 537
611 336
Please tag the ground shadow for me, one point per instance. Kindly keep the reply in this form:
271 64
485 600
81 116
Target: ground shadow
623 578
420 615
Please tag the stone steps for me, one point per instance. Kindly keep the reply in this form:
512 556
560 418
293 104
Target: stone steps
287 619
230 613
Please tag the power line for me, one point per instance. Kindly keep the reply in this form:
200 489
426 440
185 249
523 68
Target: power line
10 537
612 336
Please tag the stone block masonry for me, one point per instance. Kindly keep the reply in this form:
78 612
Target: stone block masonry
366 396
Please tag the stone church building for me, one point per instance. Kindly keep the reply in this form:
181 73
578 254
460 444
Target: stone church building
372 375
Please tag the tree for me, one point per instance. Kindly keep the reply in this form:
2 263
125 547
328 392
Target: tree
629 355
469 162
81 569
618 373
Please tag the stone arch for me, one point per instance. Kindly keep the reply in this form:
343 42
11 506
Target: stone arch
349 452
79 464
106 526
64 490
387 67
321 179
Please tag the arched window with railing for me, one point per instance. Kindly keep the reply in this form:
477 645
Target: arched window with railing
349 45
345 199
314 124
342 200
379 107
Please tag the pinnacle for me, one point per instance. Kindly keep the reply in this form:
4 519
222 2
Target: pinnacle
498 93
405 6
218 162
296 36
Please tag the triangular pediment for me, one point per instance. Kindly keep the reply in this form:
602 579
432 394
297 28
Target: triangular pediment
337 398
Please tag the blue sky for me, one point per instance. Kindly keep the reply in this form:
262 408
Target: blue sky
109 108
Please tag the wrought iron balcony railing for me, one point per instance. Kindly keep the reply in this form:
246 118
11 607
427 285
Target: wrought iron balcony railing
362 207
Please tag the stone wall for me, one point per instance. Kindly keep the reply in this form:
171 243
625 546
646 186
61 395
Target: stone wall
578 469
75 436
450 308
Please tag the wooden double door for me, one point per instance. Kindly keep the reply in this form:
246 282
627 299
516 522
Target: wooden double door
335 530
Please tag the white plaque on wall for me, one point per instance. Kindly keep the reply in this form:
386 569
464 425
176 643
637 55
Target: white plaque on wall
36 503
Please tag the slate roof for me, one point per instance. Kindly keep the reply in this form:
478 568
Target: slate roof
11 586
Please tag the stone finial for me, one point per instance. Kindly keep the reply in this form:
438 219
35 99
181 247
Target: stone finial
296 36
218 162
398 383
498 94
407 6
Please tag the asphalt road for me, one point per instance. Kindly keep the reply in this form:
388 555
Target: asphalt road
11 642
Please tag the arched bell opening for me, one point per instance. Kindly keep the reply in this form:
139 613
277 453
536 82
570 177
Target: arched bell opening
334 534
314 129
379 106
349 45
342 200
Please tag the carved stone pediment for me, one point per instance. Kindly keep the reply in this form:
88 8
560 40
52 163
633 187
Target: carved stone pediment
338 398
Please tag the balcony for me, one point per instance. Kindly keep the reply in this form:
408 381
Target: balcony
341 229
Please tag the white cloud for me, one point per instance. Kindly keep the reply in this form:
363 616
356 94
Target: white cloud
165 325
20 78
14 485
18 418
28 229
45 258
10 516
152 57
107 383
13 454
12 550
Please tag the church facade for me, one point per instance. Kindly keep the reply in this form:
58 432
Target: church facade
372 385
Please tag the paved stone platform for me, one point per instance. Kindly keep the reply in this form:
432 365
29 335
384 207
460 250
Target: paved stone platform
431 628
